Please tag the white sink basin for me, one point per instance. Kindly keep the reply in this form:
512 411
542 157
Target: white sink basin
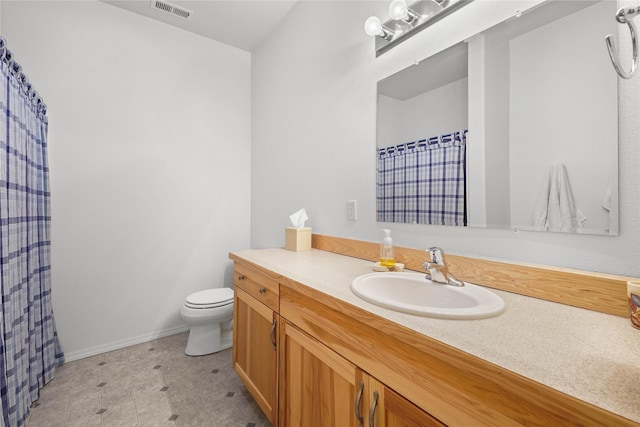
412 293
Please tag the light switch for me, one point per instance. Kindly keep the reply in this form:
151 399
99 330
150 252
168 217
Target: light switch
352 210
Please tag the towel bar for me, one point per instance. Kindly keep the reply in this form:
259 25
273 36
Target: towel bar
625 16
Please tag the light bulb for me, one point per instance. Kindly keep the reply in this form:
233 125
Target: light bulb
398 9
373 26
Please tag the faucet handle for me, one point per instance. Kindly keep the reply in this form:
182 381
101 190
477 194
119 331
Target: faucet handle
437 268
437 255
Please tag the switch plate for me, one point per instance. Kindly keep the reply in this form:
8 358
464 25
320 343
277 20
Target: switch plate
352 210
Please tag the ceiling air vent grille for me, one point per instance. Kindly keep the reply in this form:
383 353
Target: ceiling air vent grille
167 7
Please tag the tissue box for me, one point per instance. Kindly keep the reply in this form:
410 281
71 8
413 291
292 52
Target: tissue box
297 239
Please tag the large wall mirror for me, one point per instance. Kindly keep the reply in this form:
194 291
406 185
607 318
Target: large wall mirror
516 127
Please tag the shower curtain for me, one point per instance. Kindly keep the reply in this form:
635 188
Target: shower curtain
423 182
29 347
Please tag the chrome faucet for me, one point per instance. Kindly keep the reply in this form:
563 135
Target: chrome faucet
438 270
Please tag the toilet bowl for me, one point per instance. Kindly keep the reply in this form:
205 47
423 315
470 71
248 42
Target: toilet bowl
210 314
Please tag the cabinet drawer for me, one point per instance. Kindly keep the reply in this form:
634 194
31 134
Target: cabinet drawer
260 284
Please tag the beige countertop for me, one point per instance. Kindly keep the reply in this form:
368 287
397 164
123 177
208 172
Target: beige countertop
589 355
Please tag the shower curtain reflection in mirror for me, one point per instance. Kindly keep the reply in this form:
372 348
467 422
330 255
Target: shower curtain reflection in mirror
423 182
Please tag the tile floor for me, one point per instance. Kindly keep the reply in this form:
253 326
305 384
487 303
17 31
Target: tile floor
152 384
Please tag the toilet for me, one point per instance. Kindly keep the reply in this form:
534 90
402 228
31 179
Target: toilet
210 314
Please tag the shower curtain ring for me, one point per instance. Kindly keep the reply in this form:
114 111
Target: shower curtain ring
615 60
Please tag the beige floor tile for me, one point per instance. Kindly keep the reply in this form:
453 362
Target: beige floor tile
251 408
84 382
156 423
122 389
218 406
121 414
189 410
114 385
195 419
65 370
94 420
175 376
155 415
84 406
45 423
55 393
117 397
180 392
53 405
80 391
145 399
89 362
114 369
231 417
117 355
47 415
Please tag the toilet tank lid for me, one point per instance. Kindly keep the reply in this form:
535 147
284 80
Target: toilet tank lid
211 296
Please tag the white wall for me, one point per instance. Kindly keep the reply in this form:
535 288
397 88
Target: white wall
314 122
497 145
436 112
149 143
388 123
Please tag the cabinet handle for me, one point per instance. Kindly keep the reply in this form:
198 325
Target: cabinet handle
372 410
272 334
240 276
356 405
262 290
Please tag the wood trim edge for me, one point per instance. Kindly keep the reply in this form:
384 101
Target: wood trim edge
601 292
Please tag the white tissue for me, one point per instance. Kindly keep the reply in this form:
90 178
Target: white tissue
298 218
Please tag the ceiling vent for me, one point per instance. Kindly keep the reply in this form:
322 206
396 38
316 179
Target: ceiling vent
171 8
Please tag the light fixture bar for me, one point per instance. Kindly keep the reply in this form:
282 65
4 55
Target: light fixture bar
407 21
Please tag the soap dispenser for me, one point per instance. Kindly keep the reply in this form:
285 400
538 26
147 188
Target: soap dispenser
386 250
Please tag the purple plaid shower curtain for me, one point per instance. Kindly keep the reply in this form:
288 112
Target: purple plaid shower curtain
423 182
29 347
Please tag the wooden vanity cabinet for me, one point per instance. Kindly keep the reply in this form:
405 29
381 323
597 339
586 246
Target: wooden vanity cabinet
296 379
388 409
255 336
336 365
318 387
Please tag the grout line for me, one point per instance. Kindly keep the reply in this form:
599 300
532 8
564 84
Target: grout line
101 392
164 384
73 377
133 388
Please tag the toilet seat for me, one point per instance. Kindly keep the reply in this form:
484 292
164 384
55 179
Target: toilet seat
210 298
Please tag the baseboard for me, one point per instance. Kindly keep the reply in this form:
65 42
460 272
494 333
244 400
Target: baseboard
70 357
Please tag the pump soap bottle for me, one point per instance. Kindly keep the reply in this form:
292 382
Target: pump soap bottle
386 250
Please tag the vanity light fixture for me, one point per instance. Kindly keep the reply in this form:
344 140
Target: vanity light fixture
406 20
373 27
399 10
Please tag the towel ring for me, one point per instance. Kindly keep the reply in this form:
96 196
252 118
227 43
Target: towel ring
625 16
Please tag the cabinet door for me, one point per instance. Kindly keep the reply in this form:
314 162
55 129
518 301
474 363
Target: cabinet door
318 388
388 409
254 350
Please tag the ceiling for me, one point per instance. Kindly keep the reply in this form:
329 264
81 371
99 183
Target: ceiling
240 23
443 68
